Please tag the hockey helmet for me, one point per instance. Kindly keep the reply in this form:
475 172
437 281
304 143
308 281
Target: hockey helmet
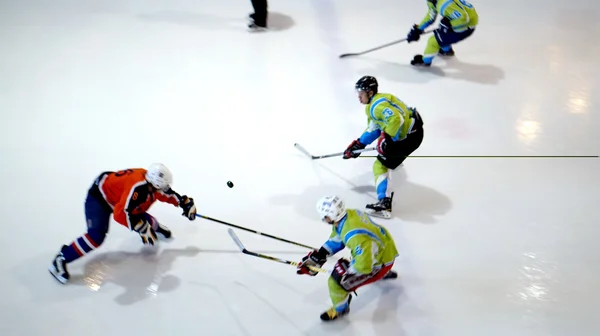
332 207
159 176
367 83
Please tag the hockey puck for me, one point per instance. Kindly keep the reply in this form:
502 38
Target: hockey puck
230 184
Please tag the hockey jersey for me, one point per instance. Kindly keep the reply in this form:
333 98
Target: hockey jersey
386 113
127 193
371 245
462 14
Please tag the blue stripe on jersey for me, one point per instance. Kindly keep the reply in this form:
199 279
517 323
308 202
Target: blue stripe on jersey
373 106
355 232
368 137
444 6
332 245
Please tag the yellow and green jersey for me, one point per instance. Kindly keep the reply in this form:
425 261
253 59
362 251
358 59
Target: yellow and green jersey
462 14
371 245
386 113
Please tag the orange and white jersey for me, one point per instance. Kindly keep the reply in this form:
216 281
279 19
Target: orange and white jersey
130 196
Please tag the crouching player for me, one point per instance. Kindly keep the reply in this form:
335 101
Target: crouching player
372 247
127 194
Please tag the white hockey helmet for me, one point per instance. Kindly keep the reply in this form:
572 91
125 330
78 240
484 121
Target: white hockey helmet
159 176
332 207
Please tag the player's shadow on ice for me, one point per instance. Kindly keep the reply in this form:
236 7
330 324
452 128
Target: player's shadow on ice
385 317
451 68
276 21
412 202
142 275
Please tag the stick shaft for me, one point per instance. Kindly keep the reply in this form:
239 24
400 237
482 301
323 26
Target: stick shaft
242 248
256 232
380 47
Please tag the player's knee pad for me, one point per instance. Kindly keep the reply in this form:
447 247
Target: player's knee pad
97 236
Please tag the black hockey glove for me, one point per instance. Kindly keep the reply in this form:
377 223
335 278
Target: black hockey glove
414 34
188 206
313 259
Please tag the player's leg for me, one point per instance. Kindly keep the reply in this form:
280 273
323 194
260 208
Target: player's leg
440 43
341 286
260 15
98 218
381 172
158 227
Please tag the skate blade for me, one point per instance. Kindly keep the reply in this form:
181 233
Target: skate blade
59 278
380 214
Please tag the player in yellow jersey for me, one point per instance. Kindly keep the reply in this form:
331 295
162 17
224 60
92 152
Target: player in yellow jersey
372 248
400 132
459 20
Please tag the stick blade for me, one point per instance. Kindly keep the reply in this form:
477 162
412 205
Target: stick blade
236 240
303 150
348 55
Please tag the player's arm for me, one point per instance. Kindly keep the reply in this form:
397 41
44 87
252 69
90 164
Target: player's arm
370 134
333 245
124 211
186 203
393 121
429 18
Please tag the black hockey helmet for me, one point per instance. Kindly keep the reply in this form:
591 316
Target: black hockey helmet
367 83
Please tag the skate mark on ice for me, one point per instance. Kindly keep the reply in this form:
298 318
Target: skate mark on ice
260 298
225 303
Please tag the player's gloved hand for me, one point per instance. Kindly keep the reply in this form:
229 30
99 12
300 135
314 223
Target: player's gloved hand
355 145
188 206
147 233
382 143
313 259
414 34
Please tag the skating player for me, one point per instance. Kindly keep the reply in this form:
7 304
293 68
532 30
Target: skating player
372 247
399 130
127 194
459 19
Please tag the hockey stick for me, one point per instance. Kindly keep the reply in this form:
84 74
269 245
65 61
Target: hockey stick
256 232
242 248
381 47
314 157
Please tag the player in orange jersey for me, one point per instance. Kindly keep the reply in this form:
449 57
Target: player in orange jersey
127 194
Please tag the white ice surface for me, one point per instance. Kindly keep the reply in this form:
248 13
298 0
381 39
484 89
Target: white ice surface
492 247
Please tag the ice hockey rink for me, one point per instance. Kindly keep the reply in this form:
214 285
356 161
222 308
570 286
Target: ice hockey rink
488 246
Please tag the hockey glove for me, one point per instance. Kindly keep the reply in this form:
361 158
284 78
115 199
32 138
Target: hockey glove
188 206
146 232
347 280
313 259
355 145
414 34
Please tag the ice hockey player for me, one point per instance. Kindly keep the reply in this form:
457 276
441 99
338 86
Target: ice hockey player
372 248
399 130
459 20
127 194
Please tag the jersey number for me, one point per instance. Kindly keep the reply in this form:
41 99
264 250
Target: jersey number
123 172
367 220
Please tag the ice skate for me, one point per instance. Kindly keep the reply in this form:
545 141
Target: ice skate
333 314
390 275
419 62
253 27
164 231
448 53
382 209
58 269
